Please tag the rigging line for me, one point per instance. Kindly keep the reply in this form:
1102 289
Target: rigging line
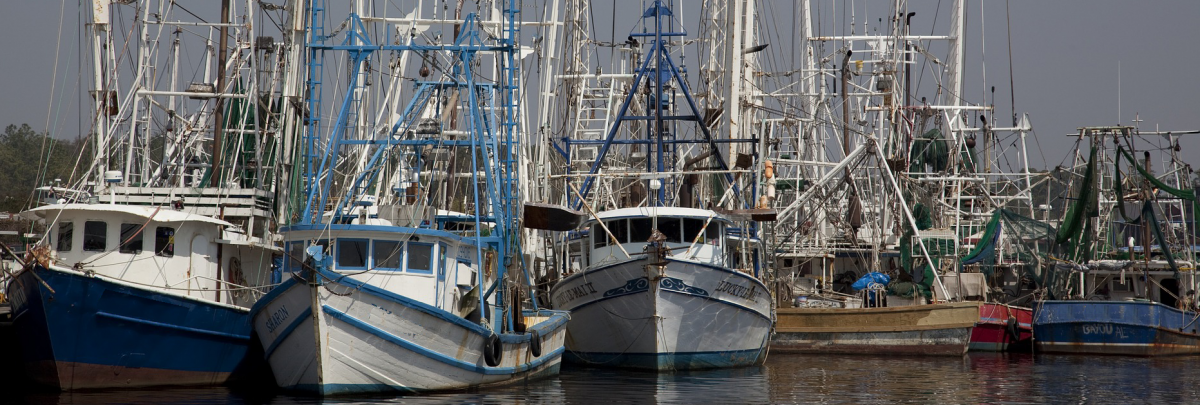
983 58
932 28
1012 90
50 105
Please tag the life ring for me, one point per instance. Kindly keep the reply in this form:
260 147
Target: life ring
493 351
1014 334
535 343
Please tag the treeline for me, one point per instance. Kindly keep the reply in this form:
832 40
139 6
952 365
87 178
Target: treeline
29 159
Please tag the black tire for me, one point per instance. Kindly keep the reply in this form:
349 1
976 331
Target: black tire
493 351
1014 332
535 343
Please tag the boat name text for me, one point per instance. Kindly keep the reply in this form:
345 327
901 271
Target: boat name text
277 318
573 293
746 293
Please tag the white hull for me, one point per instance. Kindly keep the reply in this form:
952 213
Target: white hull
342 338
683 315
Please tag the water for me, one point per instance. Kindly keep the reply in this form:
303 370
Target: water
977 378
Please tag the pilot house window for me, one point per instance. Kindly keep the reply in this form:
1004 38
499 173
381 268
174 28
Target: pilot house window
352 253
420 258
387 254
164 241
95 236
131 238
66 231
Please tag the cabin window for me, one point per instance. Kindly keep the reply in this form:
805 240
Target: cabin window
352 253
66 233
164 241
599 236
640 230
619 229
1119 286
671 229
692 228
420 258
131 238
386 255
95 236
295 256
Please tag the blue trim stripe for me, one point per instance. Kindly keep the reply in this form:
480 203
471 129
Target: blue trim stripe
415 348
175 327
557 320
274 293
304 315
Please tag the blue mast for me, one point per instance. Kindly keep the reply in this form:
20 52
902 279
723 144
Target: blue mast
498 154
663 138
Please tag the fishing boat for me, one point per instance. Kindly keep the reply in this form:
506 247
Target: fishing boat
880 175
1127 286
1002 328
153 257
665 272
939 329
405 270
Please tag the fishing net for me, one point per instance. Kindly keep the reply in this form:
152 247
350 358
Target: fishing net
1009 240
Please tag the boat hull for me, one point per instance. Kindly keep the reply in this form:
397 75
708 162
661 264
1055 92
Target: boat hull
79 331
938 329
679 316
344 337
1138 328
1002 328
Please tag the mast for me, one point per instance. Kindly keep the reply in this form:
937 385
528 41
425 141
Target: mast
219 112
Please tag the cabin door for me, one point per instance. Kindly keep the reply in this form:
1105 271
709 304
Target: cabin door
202 274
1168 291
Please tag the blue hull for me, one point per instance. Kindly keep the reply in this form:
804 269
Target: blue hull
88 332
1115 327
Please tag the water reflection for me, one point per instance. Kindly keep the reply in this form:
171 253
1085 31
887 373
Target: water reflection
977 378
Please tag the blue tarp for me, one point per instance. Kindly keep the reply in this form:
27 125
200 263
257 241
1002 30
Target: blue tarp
872 277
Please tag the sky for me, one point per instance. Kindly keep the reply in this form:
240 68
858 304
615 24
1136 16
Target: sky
1068 58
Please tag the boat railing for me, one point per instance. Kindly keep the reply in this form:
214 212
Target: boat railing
230 287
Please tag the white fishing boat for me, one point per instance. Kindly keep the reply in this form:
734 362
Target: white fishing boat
389 290
667 272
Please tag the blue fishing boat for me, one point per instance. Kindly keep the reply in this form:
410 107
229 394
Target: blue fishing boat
1126 301
153 257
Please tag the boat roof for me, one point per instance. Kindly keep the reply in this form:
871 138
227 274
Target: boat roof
157 214
670 212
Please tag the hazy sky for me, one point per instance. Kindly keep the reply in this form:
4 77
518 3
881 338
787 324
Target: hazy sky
1065 63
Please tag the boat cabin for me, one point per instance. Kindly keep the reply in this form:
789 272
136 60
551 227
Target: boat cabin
1122 280
695 235
172 250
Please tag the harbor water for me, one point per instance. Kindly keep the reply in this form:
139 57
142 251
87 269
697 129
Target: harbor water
976 378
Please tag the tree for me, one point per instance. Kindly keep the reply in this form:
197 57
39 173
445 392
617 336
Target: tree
29 159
